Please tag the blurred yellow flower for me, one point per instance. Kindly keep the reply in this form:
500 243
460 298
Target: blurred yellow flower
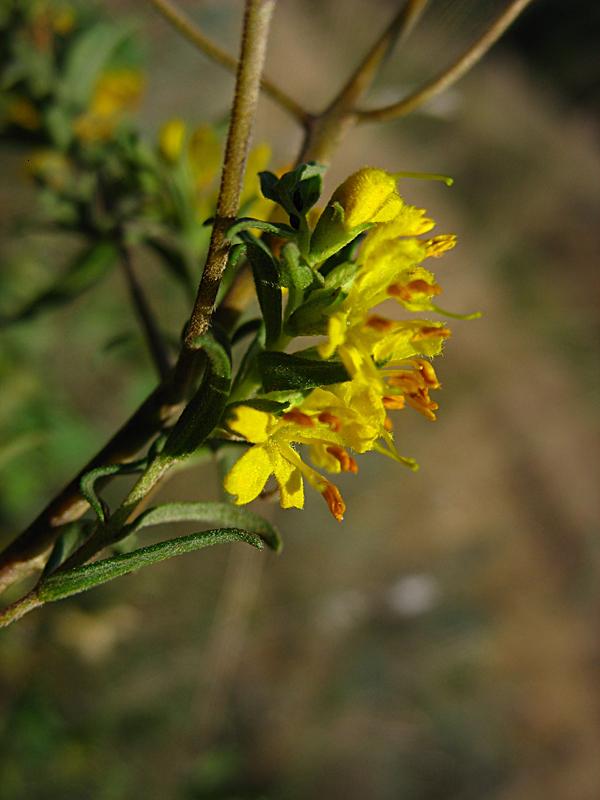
115 93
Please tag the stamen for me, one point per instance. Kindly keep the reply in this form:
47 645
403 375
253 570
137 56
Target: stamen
330 419
388 424
438 245
334 500
430 331
393 402
299 418
347 463
406 291
428 373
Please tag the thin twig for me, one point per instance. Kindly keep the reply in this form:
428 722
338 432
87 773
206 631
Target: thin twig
257 18
325 130
154 340
191 32
451 75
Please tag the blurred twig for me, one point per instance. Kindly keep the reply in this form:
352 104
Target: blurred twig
156 344
451 75
191 32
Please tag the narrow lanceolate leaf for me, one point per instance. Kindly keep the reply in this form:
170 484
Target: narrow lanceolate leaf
204 411
222 513
87 58
284 371
79 579
85 271
87 484
248 223
268 289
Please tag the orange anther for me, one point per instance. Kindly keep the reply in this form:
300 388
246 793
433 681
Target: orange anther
379 323
330 419
393 402
347 463
334 500
299 417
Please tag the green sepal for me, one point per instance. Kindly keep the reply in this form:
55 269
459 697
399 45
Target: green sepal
86 270
331 235
268 287
223 513
280 371
204 411
79 579
296 275
311 318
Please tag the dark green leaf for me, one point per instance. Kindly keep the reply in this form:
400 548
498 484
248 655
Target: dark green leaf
87 484
283 371
223 513
248 223
203 413
268 289
64 584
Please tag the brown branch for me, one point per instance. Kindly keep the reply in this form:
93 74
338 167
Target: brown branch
191 32
154 340
254 44
451 75
325 130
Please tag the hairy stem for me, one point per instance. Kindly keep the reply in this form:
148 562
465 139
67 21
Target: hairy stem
257 18
191 32
451 75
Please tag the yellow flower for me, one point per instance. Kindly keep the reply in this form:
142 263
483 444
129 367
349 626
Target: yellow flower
50 166
115 93
171 139
367 197
272 454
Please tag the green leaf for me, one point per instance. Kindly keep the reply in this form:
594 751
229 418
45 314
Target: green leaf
87 484
86 270
79 579
204 411
297 191
248 223
296 275
223 513
284 371
87 58
268 289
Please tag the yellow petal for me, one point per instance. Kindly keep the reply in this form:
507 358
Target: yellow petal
368 195
289 478
250 423
248 476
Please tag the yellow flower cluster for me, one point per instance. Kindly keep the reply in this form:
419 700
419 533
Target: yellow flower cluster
200 152
387 359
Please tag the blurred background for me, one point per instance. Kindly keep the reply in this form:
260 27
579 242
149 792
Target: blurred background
443 643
